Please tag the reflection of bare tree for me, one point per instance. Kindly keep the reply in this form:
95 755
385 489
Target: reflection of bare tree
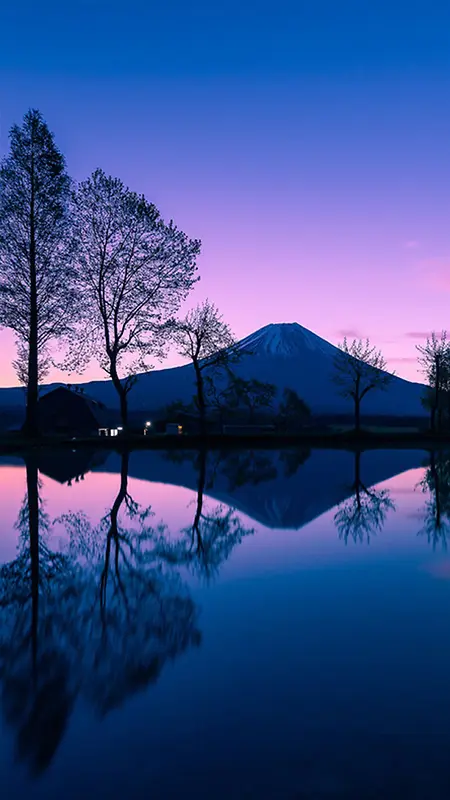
364 514
214 533
35 643
436 482
100 618
136 614
248 466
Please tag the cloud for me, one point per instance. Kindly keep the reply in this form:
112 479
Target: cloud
404 359
411 244
349 333
417 334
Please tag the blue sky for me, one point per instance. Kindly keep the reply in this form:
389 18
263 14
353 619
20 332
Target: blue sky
306 144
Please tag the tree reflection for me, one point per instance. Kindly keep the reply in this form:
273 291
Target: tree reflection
35 640
208 542
243 467
100 619
136 615
364 514
436 482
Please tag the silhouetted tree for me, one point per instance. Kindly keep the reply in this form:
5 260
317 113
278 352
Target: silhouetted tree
434 359
133 272
36 248
253 395
436 483
204 338
359 369
364 514
293 411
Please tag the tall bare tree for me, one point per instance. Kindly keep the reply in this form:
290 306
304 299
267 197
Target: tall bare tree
434 359
204 338
134 270
359 369
36 248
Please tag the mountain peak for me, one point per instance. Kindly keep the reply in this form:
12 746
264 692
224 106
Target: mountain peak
285 340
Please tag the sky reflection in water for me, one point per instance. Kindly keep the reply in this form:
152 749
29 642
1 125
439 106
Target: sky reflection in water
260 625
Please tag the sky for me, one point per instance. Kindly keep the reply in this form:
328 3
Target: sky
306 143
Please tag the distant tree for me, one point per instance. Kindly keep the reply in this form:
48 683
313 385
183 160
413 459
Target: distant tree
434 359
360 369
253 395
36 250
204 338
134 270
293 411
364 514
178 407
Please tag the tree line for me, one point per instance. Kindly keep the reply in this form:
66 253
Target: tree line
90 271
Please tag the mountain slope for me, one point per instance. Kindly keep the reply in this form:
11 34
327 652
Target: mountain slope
284 354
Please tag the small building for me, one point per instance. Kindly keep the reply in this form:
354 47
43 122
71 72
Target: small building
68 412
174 429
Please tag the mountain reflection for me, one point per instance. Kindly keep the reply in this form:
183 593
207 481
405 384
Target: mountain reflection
363 515
99 619
436 514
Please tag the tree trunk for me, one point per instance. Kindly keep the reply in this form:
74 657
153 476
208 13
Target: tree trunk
33 522
123 394
433 418
437 391
31 420
113 532
200 494
437 489
357 415
200 398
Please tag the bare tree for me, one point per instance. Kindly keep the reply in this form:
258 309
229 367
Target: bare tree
434 359
204 338
134 270
360 369
36 248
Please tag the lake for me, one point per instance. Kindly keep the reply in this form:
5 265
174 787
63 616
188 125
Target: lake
225 625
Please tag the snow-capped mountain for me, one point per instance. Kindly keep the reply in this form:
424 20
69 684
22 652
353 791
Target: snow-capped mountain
285 354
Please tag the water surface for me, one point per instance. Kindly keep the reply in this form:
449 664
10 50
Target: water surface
268 624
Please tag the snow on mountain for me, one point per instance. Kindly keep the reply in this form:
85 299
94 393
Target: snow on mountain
286 340
285 354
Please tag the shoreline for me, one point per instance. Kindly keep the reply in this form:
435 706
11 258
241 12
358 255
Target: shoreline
349 440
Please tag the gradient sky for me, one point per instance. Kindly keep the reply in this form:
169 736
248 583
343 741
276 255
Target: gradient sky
306 143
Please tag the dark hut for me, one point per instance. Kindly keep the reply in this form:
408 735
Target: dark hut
69 412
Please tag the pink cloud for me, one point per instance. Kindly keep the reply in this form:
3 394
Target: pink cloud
349 333
411 244
404 359
417 334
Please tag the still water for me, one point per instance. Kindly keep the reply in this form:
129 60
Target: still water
255 625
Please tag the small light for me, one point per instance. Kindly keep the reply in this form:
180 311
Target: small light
148 424
120 428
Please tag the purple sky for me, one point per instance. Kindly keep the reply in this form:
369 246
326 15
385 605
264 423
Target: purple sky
315 170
